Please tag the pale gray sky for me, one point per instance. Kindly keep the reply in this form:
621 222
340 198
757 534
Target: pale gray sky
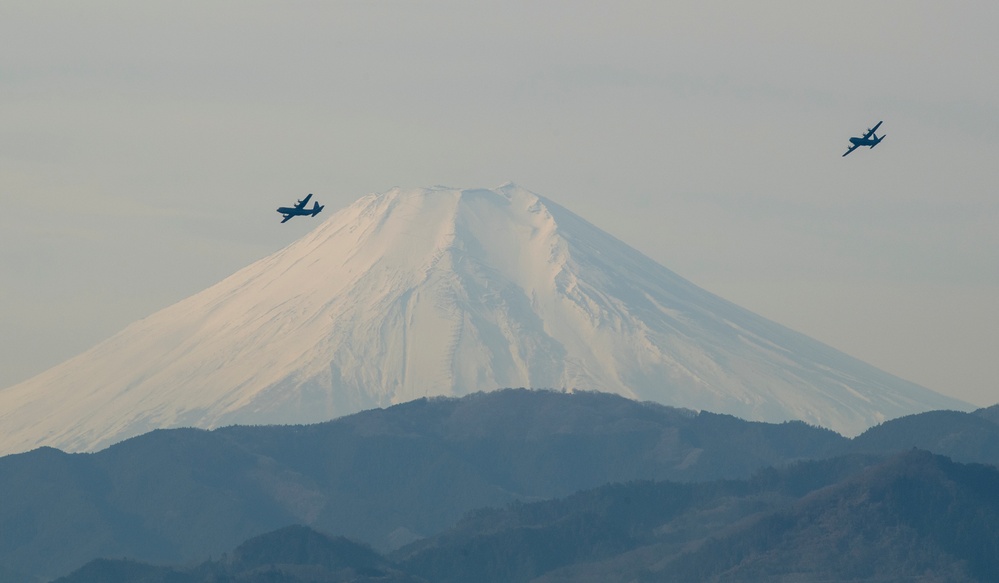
144 147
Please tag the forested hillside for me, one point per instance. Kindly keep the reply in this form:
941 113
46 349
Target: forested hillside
856 518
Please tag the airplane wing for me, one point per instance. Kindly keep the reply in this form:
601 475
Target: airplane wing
852 148
301 204
286 218
871 131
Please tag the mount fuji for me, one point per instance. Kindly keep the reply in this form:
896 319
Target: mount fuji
441 291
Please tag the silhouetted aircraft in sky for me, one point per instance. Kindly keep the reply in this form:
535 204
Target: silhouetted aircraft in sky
870 139
299 209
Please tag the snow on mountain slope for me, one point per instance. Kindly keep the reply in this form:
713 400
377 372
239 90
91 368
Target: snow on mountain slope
442 291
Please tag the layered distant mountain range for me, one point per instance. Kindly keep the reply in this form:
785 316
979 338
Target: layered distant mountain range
401 480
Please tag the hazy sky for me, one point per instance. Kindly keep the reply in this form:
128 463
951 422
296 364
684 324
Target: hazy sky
145 145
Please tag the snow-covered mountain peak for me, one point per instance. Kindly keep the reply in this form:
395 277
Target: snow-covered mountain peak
443 291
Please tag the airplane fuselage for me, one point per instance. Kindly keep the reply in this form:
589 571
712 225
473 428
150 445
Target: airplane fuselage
287 210
865 142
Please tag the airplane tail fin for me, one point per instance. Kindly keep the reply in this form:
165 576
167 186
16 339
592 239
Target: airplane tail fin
316 208
878 141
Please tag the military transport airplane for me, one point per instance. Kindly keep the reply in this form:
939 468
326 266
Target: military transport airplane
299 209
870 139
